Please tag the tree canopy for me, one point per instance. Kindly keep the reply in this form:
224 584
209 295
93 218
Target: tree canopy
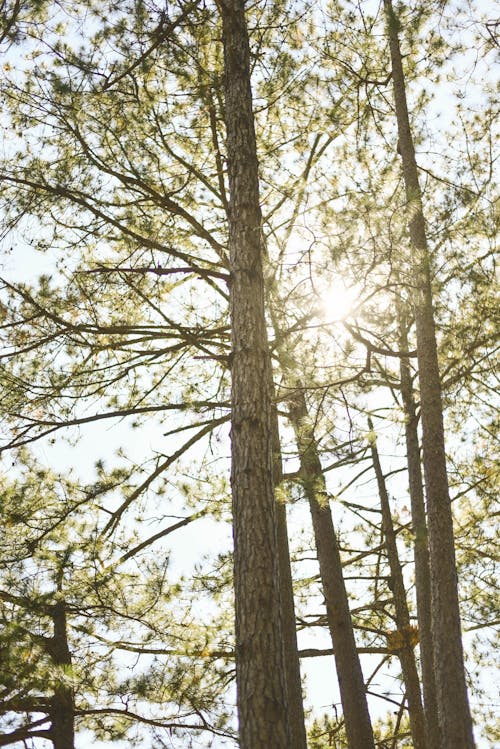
249 362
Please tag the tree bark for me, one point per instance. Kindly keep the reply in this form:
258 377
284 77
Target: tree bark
295 704
405 650
293 682
349 673
62 709
420 546
453 705
260 670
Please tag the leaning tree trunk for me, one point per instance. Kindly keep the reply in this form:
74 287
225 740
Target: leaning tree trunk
349 673
453 705
259 656
420 545
405 642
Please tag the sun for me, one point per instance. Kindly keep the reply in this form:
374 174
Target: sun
338 301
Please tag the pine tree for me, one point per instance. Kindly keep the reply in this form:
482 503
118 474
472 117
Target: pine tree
453 706
259 660
115 170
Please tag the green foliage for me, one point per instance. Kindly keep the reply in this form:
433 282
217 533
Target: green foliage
114 182
325 733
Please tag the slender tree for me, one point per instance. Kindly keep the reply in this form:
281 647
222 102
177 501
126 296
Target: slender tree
293 683
405 649
453 704
349 672
420 542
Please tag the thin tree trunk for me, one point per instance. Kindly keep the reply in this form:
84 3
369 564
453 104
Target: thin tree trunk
295 704
349 673
453 705
293 682
420 546
405 650
62 709
260 676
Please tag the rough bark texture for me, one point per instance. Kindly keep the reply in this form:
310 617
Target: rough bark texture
349 673
259 653
420 547
453 705
62 710
405 651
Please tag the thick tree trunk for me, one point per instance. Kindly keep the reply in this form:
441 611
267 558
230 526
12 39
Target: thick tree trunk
260 676
420 546
349 673
62 709
453 705
405 646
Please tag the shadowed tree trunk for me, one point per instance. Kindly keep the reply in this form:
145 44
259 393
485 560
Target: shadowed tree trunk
420 545
405 649
62 709
260 670
349 673
453 705
295 705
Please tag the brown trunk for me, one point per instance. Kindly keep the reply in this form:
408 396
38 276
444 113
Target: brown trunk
295 705
453 705
293 683
349 673
405 642
259 655
420 547
62 709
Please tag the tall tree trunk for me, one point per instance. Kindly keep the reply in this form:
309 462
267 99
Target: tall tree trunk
293 683
405 648
295 704
259 654
420 545
349 673
453 705
62 709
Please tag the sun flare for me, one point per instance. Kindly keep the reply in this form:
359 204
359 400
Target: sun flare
338 301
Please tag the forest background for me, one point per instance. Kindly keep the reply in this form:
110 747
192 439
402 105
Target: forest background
116 558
